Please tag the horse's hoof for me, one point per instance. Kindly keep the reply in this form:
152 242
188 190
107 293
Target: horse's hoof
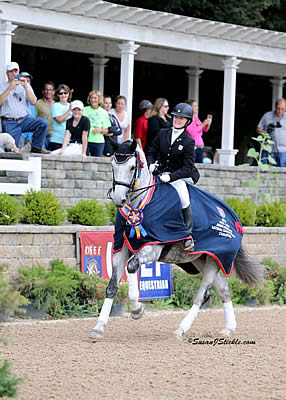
96 334
179 334
226 332
137 314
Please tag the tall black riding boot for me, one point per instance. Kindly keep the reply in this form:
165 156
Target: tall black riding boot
188 218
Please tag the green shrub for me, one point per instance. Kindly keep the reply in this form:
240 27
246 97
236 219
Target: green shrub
185 286
64 291
8 382
87 212
244 209
277 275
42 207
271 214
111 211
10 299
9 209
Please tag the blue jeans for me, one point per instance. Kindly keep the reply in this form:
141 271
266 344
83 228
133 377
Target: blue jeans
280 159
38 126
96 149
264 157
199 155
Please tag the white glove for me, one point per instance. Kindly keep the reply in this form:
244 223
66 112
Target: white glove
165 178
152 167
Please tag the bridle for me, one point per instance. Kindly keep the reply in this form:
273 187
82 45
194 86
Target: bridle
120 158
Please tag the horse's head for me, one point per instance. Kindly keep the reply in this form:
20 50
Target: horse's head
126 163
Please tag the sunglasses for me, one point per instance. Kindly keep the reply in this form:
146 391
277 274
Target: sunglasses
61 93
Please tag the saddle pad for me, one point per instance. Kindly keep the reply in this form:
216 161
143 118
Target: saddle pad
217 230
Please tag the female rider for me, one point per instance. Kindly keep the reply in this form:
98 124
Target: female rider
172 155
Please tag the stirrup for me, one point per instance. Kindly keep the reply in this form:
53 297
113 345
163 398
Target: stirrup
189 245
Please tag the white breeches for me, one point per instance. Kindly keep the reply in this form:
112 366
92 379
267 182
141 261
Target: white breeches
73 149
182 190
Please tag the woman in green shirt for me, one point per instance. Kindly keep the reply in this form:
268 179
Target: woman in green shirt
99 122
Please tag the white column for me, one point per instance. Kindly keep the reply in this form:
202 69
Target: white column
98 64
127 51
227 153
6 33
194 74
277 89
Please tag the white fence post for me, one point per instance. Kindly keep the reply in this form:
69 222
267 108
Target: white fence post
33 166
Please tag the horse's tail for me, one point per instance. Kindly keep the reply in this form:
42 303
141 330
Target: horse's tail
248 270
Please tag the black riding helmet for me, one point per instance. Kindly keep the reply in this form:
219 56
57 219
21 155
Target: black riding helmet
183 110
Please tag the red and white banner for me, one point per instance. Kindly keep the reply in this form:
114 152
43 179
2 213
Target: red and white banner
96 253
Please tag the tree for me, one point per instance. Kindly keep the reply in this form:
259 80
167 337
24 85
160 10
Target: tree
266 14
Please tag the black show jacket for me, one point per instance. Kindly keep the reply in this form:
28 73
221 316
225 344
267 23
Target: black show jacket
178 159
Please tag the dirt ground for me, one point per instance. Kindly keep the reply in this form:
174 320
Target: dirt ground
140 360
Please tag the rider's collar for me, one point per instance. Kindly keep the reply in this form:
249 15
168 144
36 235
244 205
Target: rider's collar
177 131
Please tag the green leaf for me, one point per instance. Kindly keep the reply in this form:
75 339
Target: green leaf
253 183
271 160
258 139
267 147
253 153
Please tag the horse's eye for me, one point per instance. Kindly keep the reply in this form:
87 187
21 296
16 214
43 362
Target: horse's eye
132 168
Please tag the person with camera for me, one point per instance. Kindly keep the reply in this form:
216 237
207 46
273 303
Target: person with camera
196 130
274 122
15 95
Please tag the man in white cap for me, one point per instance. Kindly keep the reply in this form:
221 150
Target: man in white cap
15 95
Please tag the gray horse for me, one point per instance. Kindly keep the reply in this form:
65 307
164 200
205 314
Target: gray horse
125 173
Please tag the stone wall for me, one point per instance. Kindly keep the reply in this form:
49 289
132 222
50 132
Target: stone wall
25 245
71 180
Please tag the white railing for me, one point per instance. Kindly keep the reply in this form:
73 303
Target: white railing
32 165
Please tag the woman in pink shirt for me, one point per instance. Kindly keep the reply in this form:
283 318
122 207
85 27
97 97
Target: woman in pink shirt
196 129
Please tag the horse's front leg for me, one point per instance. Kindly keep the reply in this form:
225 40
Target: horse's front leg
209 270
118 265
145 255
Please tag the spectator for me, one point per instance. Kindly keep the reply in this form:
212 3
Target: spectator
60 112
159 119
274 122
141 124
43 107
113 131
77 129
196 129
121 114
99 121
15 112
27 136
7 143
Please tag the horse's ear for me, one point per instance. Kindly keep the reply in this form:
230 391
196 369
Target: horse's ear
133 146
115 145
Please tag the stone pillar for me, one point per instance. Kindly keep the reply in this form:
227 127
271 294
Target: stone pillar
277 89
98 64
194 74
127 51
6 33
227 153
